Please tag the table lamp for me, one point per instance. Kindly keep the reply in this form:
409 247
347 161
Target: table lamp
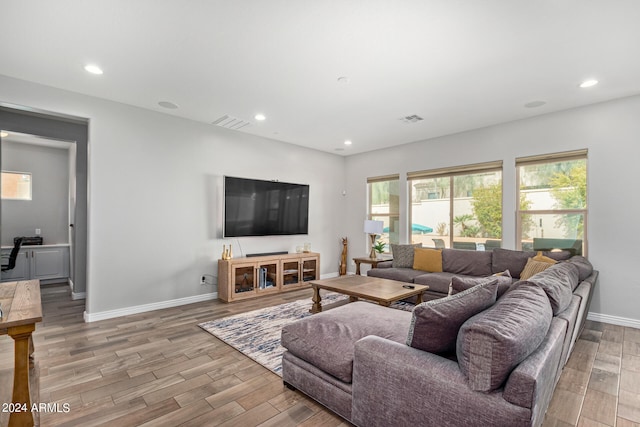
373 228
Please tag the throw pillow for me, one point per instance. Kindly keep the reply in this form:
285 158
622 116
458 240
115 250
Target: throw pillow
427 259
533 267
542 258
460 284
403 255
435 324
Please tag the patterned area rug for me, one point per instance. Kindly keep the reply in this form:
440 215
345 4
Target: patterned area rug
256 333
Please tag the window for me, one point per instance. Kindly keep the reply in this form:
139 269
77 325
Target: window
16 185
553 201
458 207
384 205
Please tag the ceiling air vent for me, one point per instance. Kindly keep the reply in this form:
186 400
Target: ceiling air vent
412 119
229 122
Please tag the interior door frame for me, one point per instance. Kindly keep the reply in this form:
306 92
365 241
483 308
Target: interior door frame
63 127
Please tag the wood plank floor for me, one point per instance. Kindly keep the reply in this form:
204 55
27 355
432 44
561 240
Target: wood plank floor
160 369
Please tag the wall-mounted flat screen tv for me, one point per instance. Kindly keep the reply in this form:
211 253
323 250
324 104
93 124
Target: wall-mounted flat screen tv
264 208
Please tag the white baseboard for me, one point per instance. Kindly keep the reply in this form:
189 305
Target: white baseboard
110 314
614 320
329 275
78 295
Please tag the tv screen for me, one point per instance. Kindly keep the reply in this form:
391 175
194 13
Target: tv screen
264 208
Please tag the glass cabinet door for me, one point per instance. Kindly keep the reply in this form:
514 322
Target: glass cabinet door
244 278
290 272
309 270
267 276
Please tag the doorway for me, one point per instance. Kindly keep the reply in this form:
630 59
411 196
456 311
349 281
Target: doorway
71 135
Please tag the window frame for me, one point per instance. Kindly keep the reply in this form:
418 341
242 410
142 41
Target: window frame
389 215
451 173
544 159
30 198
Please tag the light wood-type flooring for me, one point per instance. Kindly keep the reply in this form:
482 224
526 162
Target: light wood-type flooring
160 369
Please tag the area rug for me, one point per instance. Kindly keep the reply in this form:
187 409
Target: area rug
256 333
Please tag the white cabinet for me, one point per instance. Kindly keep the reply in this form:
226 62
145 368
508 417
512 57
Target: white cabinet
46 262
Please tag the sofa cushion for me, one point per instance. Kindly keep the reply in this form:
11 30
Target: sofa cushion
327 339
437 282
558 282
470 263
533 267
435 324
491 343
427 259
403 255
460 284
400 274
584 267
506 259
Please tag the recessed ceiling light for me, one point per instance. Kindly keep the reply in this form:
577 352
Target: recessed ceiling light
347 142
93 69
167 104
4 134
588 83
260 117
534 104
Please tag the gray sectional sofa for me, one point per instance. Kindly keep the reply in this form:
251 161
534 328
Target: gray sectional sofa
472 358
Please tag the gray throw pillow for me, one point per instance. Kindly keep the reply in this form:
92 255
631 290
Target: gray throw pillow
493 342
460 284
403 255
435 324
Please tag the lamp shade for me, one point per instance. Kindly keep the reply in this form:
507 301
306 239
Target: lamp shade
373 227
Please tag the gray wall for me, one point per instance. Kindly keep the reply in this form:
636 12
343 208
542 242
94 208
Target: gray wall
609 130
49 207
154 196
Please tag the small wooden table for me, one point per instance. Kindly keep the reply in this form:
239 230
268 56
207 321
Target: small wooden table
366 260
382 291
21 310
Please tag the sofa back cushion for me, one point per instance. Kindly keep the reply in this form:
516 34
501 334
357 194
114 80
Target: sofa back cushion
558 282
584 267
507 259
427 259
493 342
403 255
435 324
470 263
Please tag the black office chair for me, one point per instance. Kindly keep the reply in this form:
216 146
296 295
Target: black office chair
11 259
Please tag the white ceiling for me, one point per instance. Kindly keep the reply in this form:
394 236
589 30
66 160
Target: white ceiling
458 64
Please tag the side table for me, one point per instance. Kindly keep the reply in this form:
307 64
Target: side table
366 260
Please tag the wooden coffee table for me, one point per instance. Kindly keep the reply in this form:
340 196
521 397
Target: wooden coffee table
382 291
